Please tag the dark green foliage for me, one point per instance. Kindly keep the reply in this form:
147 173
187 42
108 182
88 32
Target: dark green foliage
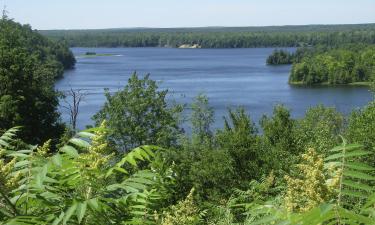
29 65
139 114
201 121
278 129
239 138
279 57
232 37
343 65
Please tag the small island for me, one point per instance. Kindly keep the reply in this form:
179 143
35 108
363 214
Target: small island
280 57
90 53
94 54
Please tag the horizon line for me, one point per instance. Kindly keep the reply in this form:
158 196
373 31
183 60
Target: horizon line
197 27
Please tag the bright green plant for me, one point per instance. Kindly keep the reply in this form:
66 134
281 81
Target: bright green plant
352 204
81 184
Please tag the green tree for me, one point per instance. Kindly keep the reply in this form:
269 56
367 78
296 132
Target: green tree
239 139
319 129
278 130
361 128
27 75
202 117
278 139
139 114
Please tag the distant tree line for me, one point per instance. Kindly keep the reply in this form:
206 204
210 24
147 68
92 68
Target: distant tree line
290 36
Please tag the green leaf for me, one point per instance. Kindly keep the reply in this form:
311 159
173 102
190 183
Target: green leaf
359 166
357 185
80 143
57 160
353 193
86 134
70 212
359 175
347 155
58 219
22 163
93 203
81 210
69 150
346 147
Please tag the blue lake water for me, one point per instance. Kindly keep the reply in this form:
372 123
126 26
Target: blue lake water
229 77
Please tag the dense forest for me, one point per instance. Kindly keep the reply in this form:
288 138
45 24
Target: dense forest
137 166
346 64
216 37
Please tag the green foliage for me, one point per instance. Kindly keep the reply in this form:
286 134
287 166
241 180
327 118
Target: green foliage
29 65
361 128
209 171
81 184
342 65
319 129
202 118
230 37
278 129
185 212
239 139
139 115
279 57
350 177
356 177
278 140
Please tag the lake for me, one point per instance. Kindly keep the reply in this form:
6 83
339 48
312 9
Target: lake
229 77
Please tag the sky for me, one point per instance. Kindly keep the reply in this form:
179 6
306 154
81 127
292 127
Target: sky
95 14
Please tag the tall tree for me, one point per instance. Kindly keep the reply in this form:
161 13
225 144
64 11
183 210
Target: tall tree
27 73
139 115
202 118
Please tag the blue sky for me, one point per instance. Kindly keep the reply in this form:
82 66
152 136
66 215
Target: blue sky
77 14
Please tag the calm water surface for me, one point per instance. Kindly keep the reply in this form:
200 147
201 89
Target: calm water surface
229 77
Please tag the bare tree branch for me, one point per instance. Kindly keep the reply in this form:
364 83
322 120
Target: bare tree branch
76 97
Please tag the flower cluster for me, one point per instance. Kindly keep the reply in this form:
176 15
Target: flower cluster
309 189
97 155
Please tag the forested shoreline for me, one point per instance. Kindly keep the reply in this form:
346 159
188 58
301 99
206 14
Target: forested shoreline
348 64
241 37
138 166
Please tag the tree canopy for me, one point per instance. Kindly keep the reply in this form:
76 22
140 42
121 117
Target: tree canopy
29 65
139 114
342 65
